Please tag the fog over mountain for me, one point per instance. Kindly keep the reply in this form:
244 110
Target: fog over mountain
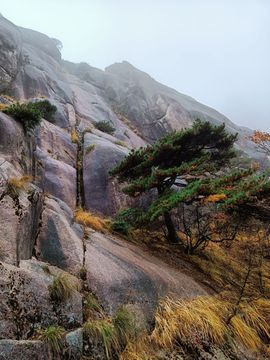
216 52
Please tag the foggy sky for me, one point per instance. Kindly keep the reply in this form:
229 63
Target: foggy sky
217 51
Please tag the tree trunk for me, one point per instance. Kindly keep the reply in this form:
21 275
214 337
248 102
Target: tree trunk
172 236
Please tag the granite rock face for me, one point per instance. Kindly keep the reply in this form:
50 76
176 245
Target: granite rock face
121 273
66 164
60 240
23 350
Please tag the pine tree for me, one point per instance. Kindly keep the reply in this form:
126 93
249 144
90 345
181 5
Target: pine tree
182 167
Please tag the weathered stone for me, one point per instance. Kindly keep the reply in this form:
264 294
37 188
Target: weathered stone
57 178
25 302
121 273
56 142
102 194
60 242
19 221
74 341
23 350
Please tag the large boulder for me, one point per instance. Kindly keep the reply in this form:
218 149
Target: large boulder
19 221
121 273
23 350
25 302
102 193
56 143
60 241
57 178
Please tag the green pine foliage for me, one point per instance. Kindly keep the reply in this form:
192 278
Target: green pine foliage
30 114
104 126
189 160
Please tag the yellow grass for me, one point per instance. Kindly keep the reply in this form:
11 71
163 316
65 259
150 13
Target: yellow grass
74 136
204 319
91 220
16 185
3 106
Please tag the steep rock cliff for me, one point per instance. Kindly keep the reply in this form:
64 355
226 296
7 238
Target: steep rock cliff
38 236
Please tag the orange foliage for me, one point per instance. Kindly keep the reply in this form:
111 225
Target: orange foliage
259 137
215 198
93 221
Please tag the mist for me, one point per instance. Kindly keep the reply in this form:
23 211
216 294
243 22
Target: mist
215 51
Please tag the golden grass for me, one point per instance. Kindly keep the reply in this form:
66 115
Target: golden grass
74 136
17 184
94 221
3 106
204 319
182 319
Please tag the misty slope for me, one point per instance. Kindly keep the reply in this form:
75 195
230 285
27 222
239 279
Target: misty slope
67 163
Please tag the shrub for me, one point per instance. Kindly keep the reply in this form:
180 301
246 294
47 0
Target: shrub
46 109
104 126
94 221
121 227
63 286
30 114
16 185
126 219
54 337
27 114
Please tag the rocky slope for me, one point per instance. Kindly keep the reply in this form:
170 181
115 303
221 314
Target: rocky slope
38 236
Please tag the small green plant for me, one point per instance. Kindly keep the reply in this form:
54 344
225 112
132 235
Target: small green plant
28 115
103 330
90 148
63 286
124 325
54 337
104 126
92 303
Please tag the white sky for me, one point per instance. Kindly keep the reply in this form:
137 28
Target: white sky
217 51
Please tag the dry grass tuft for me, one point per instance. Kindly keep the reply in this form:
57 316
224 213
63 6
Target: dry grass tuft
16 185
63 286
207 320
74 136
201 317
93 221
3 106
